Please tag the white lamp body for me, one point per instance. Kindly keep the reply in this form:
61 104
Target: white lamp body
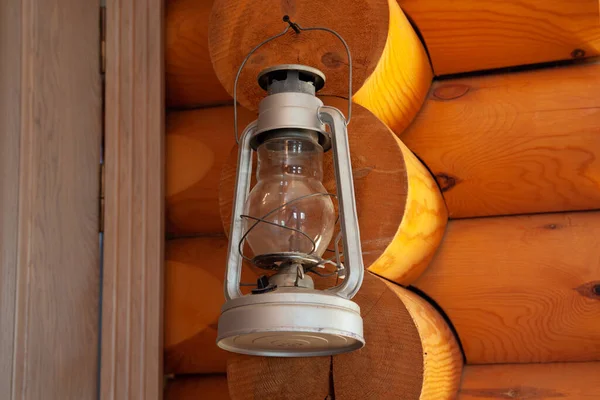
294 321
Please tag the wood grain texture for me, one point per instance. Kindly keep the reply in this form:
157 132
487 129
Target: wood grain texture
198 144
197 387
253 378
442 357
398 86
470 35
237 26
410 353
400 226
517 289
513 143
50 104
134 205
531 381
391 70
391 364
190 79
421 230
194 276
10 126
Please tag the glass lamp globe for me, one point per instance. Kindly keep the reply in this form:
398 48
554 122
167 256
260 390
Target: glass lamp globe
290 197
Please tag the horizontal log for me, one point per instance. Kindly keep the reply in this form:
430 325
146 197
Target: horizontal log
470 35
198 143
391 70
401 225
251 378
514 143
195 387
190 78
194 275
521 289
410 351
531 381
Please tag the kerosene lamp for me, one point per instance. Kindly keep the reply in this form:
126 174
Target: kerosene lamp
288 221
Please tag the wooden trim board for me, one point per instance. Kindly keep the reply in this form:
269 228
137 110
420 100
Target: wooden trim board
134 200
50 103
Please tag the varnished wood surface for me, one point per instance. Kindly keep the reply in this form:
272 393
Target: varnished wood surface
400 226
237 26
193 285
134 205
471 35
10 126
421 230
521 289
442 357
197 387
50 150
392 361
572 381
513 143
198 143
190 79
398 87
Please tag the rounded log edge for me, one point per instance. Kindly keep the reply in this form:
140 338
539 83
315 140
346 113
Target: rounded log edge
398 87
391 71
422 228
442 357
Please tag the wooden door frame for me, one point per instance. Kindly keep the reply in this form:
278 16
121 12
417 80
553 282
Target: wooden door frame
132 344
50 135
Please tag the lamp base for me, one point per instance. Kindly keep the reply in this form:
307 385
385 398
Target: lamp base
290 322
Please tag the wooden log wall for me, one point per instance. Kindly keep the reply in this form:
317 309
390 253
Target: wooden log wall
391 70
198 144
190 79
518 288
521 289
411 354
513 143
531 381
473 35
194 275
197 387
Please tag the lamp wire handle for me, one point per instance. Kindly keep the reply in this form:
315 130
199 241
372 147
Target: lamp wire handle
297 28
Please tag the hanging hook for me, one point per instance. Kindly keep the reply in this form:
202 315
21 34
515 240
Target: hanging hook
293 25
297 28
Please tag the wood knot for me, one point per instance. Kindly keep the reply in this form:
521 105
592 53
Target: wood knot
551 226
522 392
578 53
590 290
450 92
332 60
446 181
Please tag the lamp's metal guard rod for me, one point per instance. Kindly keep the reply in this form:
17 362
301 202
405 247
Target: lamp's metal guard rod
297 28
354 267
242 188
